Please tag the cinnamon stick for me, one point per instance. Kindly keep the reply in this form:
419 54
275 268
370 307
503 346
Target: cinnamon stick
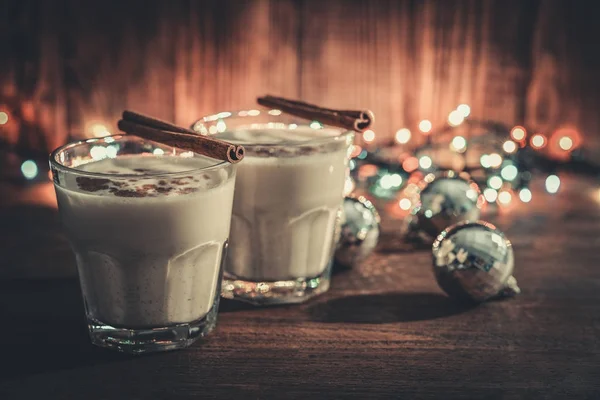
357 120
154 122
175 136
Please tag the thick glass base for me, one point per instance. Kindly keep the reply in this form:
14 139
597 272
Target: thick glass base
275 292
150 340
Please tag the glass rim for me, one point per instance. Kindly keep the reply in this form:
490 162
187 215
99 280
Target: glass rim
224 115
55 164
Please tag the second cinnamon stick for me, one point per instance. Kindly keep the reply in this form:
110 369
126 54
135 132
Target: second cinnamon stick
357 120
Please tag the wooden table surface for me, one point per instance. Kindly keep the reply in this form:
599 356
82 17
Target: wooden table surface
384 330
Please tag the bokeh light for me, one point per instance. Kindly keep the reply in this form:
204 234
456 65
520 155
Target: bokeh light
425 126
386 182
552 184
425 162
495 160
485 161
509 172
111 151
3 118
410 164
29 169
518 133
405 204
99 130
509 146
98 152
565 143
525 195
367 171
455 118
495 182
464 109
396 180
368 136
490 195
459 144
356 150
349 186
504 197
538 141
403 136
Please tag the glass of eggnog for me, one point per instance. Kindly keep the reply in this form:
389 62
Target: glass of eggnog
287 205
149 226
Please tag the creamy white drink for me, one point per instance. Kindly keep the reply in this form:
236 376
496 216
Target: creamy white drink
148 247
289 190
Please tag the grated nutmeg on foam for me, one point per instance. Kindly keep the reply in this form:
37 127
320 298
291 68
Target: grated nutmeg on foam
128 188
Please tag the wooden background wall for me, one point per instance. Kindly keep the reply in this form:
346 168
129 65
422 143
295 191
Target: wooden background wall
65 64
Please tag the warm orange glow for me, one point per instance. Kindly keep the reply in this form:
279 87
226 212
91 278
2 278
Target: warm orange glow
425 126
518 133
367 170
99 130
538 141
414 178
564 140
356 150
410 164
368 136
565 143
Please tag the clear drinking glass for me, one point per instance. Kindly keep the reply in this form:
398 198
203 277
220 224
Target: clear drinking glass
149 227
287 205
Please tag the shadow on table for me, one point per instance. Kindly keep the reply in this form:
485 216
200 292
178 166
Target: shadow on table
32 243
42 328
386 308
394 242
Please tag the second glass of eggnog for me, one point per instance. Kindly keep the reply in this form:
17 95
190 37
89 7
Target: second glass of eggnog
287 207
149 226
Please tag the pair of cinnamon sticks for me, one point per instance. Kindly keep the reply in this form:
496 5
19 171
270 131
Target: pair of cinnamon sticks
176 136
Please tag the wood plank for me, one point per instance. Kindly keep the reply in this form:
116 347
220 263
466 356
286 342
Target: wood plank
411 61
31 82
72 64
384 330
231 52
120 56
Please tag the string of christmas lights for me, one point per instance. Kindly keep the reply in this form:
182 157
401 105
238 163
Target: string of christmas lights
500 159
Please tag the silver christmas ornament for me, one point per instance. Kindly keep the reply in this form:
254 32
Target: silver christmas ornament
473 260
443 200
359 231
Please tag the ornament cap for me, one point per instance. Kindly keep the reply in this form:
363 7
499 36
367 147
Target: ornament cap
510 289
